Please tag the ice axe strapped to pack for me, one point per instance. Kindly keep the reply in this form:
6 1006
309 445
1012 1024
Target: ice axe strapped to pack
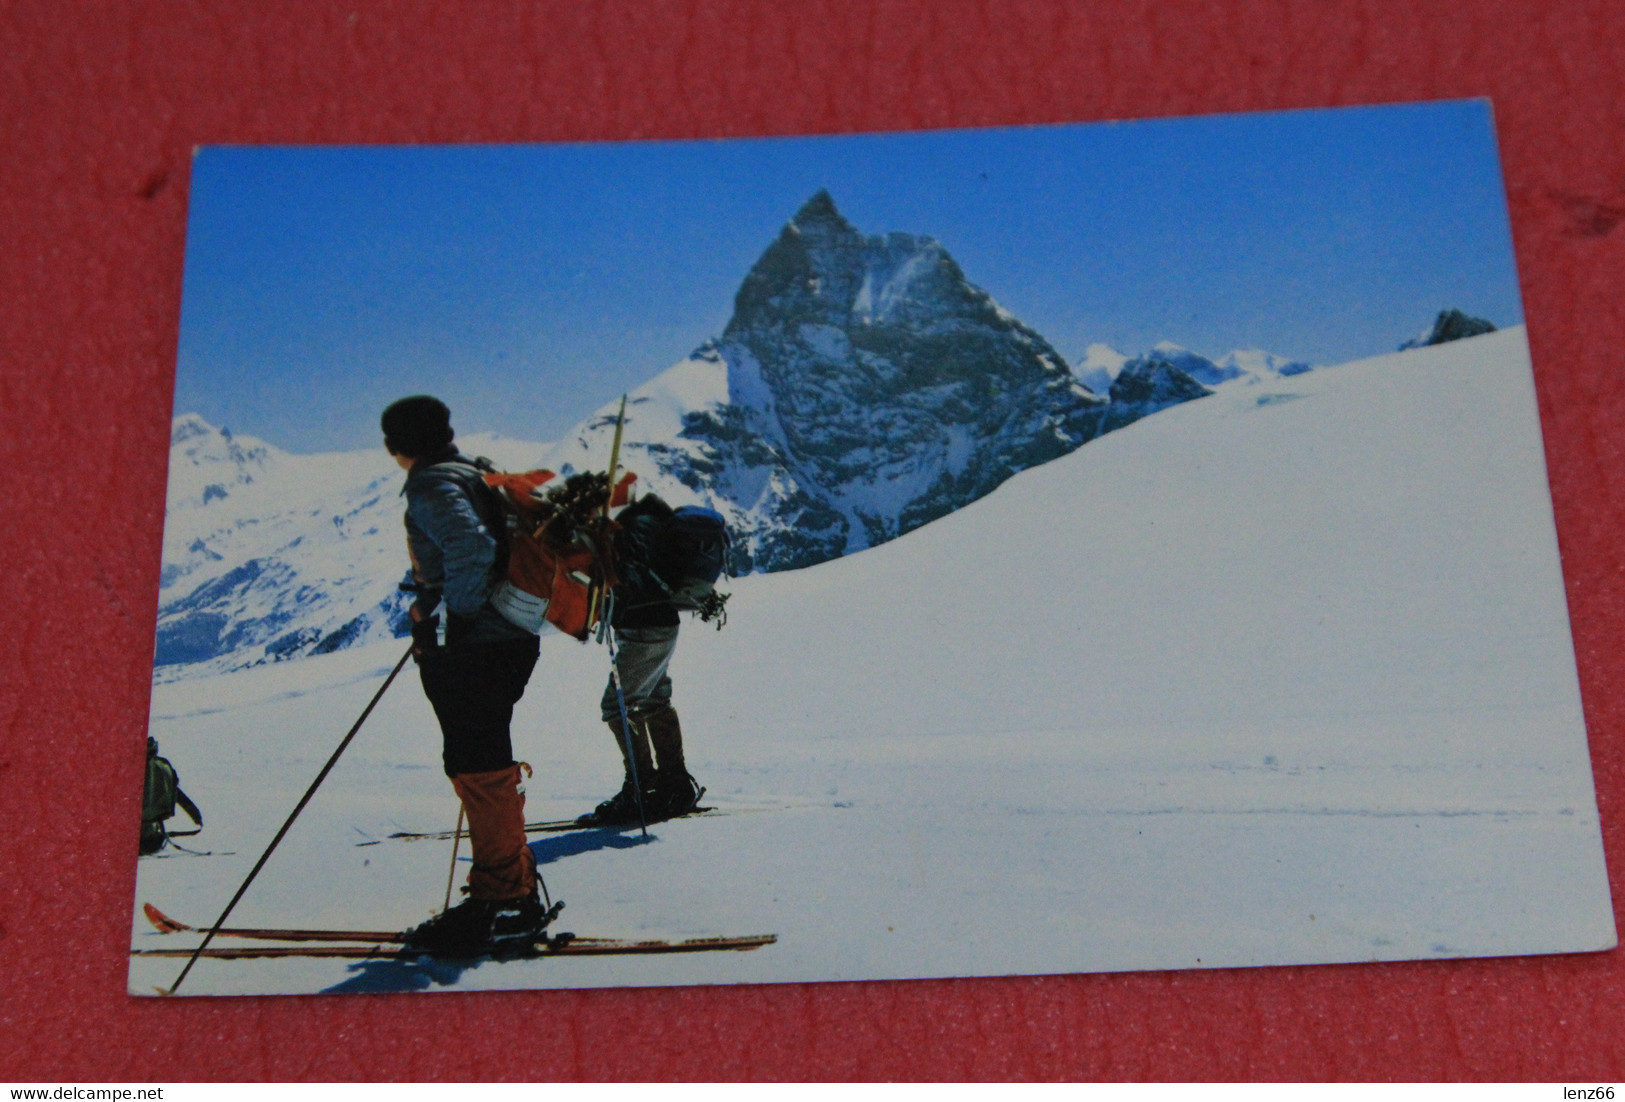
555 544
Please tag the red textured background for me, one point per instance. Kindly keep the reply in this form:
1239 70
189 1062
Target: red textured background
100 104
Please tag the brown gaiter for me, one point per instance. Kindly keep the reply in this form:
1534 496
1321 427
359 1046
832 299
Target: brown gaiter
504 867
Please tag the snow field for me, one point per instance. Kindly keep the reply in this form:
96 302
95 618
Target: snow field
1278 676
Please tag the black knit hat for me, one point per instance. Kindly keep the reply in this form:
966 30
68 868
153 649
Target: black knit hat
417 426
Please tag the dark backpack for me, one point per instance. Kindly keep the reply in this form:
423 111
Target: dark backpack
159 799
676 556
699 550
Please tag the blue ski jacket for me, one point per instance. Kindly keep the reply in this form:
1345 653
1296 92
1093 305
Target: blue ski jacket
454 549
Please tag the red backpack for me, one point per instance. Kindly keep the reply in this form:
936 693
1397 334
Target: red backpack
556 570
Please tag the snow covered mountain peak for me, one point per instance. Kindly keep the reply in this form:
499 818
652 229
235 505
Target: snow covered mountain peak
871 387
1103 355
1257 365
863 387
269 555
189 426
821 271
1099 367
1198 367
209 464
1147 384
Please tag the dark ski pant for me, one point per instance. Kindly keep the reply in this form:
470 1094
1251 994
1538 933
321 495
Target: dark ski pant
473 688
642 656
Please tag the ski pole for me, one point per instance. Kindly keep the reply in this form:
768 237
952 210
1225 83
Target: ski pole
456 844
626 724
309 792
599 592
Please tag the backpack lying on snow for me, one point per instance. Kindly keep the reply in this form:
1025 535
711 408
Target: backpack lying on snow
160 797
671 555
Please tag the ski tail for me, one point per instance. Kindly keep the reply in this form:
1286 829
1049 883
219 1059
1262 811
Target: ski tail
163 922
166 925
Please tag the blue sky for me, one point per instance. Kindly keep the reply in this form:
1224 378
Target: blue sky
527 285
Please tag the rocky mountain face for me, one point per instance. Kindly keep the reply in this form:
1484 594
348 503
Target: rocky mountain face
1145 385
871 388
1450 325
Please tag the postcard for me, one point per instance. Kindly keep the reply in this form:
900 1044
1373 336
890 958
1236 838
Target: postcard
1015 551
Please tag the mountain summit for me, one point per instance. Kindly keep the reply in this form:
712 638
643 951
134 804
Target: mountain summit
1450 325
871 388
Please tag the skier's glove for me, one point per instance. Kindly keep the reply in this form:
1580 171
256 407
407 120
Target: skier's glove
428 598
425 637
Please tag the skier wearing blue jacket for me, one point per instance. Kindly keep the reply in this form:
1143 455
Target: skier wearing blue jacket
455 533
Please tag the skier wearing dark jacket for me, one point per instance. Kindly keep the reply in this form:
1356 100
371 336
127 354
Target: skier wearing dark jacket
645 624
473 680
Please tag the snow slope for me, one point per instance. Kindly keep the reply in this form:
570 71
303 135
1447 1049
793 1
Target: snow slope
1279 676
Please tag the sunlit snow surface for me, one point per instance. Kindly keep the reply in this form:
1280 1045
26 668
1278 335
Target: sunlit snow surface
1279 676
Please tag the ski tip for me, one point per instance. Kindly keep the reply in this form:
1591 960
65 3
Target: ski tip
163 923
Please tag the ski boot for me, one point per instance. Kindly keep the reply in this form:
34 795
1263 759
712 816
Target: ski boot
463 930
674 796
676 792
480 927
620 809
518 924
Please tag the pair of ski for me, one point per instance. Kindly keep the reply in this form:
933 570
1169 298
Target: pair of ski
556 826
386 944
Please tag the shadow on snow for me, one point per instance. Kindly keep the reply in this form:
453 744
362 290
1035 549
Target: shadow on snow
559 846
395 974
421 973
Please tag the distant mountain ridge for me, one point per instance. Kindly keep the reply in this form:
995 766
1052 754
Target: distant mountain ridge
270 555
1102 364
862 388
